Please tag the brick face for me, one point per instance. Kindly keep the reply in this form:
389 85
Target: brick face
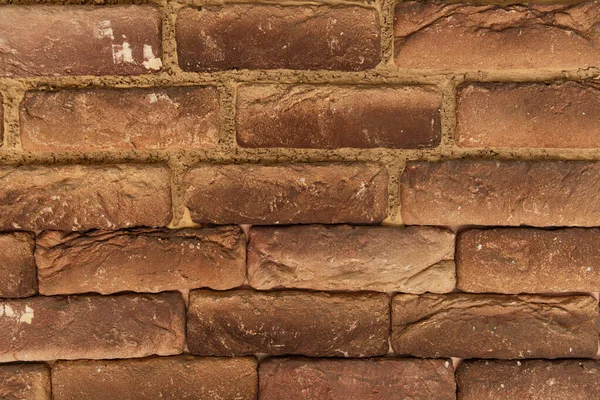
25 382
17 265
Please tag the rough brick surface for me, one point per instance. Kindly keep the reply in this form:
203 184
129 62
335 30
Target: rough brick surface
271 37
25 382
493 192
76 197
412 260
141 260
239 323
91 326
287 193
18 274
371 379
329 117
495 326
116 119
183 377
442 35
79 40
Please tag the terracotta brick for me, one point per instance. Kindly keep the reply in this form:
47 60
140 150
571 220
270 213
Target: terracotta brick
287 193
371 379
91 326
495 326
79 197
251 36
120 119
340 257
448 35
243 322
183 377
329 117
141 260
493 192
79 40
25 382
18 274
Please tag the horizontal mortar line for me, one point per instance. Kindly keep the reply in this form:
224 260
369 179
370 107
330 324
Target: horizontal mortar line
225 3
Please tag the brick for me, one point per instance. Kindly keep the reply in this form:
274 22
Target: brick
373 379
118 119
341 257
287 193
529 260
243 322
329 117
447 35
141 260
91 326
264 36
79 197
79 40
495 326
493 192
182 377
17 265
25 382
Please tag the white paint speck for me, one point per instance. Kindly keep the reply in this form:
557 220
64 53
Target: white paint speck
122 53
150 61
27 316
104 30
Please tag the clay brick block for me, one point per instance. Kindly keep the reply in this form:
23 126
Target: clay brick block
287 193
320 257
18 274
264 36
79 197
495 326
117 119
329 117
448 35
91 326
373 379
25 382
79 40
243 322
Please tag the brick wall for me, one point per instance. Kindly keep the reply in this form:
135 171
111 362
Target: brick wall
299 200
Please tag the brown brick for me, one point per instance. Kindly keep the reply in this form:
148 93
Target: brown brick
340 257
529 260
18 274
25 382
271 37
448 35
117 119
141 260
328 117
287 193
91 326
78 197
373 379
492 192
183 377
243 322
79 40
495 326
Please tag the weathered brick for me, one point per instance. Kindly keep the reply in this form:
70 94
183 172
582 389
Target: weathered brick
141 260
25 382
287 193
79 40
117 119
529 379
493 192
243 322
410 260
252 36
91 326
448 35
528 260
328 117
17 265
79 197
373 379
182 377
495 326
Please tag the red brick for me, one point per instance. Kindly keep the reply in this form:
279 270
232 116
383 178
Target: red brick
25 382
117 119
448 35
287 193
79 40
328 117
265 36
17 265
